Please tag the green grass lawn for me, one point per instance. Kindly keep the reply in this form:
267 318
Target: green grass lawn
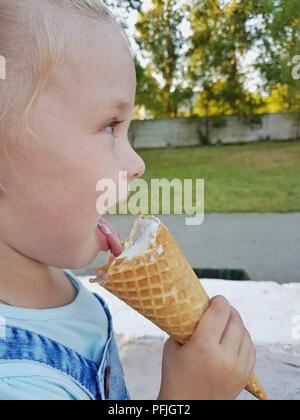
260 177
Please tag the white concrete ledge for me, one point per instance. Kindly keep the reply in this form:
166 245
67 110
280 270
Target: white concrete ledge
271 313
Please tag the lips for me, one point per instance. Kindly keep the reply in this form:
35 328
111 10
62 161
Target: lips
109 238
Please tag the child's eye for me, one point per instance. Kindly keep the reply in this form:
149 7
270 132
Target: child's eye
111 127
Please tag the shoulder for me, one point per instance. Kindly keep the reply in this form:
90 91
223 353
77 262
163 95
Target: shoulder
31 381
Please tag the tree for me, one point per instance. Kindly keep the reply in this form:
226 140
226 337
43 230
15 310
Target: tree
148 90
280 49
222 35
122 8
161 43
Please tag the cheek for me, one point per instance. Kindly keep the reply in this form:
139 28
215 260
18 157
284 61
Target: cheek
64 200
59 192
51 209
57 227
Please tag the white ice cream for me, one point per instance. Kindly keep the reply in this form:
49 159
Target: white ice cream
143 234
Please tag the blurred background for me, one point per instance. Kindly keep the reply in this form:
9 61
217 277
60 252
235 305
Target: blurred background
208 58
218 97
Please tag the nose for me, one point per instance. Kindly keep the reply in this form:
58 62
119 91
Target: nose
136 167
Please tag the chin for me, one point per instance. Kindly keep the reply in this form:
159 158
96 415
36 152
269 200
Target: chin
86 254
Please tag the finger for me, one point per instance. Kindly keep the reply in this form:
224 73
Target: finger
211 326
171 346
234 332
247 354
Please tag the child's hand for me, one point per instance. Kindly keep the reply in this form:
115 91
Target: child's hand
215 364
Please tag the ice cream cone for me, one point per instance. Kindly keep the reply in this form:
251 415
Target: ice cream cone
154 277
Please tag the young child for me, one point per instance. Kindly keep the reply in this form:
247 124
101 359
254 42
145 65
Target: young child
65 109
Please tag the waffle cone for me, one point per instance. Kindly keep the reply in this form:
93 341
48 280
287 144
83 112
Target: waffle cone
162 286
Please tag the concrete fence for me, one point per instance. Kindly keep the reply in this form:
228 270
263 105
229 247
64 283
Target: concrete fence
182 132
270 311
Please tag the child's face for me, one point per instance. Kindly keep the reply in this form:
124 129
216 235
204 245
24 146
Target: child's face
49 211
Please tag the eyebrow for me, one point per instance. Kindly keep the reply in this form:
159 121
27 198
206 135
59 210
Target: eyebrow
117 105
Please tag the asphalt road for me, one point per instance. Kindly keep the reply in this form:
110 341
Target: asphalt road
266 246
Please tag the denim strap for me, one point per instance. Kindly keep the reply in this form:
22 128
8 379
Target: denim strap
23 345
20 345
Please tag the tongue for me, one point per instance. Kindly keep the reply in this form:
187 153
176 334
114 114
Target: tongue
115 244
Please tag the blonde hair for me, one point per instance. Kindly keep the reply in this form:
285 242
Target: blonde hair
33 39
